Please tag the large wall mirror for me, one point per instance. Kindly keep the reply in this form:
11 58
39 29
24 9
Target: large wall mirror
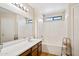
8 23
14 26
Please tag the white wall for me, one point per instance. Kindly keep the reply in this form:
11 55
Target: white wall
35 22
76 31
24 29
53 33
75 28
72 27
40 27
0 29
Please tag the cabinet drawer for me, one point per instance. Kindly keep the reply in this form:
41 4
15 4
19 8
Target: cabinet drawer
34 47
26 53
34 53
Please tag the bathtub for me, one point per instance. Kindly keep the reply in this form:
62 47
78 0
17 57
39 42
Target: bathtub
52 49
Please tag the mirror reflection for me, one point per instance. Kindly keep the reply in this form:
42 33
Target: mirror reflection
14 26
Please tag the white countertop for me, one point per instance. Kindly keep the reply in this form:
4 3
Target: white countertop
17 48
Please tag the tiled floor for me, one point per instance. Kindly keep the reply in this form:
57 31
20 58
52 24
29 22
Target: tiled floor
47 54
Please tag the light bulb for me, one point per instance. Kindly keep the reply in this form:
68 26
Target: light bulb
24 8
17 3
21 5
27 9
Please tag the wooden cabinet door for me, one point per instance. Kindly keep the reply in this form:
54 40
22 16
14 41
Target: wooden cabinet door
39 50
34 53
26 53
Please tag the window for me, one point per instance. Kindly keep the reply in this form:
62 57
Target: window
54 18
57 18
30 21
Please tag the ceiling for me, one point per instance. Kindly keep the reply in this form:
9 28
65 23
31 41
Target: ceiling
45 8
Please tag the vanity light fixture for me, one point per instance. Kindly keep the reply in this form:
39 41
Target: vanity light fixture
19 5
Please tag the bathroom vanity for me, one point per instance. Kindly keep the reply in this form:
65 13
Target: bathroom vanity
22 47
34 50
16 24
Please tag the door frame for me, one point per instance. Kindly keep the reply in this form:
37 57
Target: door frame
72 25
